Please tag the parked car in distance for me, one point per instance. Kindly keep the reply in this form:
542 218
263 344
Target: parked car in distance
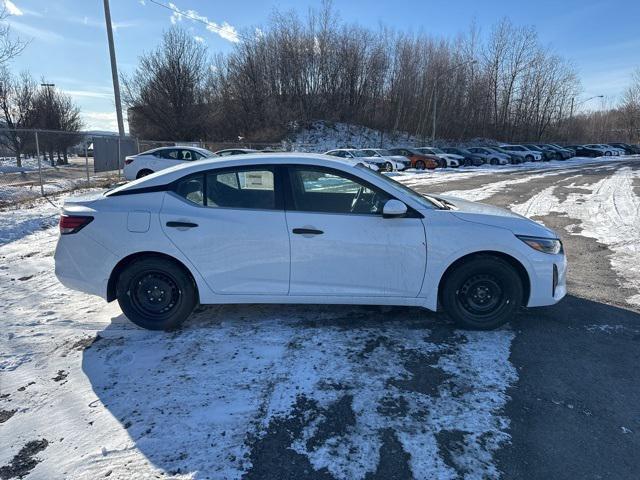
584 151
618 150
151 161
546 152
446 159
416 159
301 228
526 154
355 155
490 156
562 153
468 158
386 161
513 159
234 151
604 150
628 149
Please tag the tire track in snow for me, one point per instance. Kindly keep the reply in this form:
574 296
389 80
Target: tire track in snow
608 211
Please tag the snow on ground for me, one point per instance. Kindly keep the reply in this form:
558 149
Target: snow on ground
100 397
9 165
608 211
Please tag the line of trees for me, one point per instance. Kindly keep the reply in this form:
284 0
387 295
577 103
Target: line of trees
26 105
293 70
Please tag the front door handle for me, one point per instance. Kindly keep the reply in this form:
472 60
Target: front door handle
307 231
181 224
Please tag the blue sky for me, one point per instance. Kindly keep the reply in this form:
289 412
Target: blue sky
68 40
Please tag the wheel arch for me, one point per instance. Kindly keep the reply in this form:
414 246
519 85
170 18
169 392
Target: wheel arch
126 261
514 262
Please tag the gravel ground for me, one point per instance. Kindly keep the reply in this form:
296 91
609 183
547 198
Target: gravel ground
324 392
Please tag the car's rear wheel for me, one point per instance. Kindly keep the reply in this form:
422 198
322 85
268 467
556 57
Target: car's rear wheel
482 293
388 167
420 165
144 173
156 293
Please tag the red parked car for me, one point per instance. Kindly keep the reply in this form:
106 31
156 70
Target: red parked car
416 159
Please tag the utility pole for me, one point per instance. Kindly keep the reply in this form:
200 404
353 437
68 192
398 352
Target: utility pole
114 69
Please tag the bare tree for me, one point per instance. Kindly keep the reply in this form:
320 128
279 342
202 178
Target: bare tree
17 104
10 45
165 95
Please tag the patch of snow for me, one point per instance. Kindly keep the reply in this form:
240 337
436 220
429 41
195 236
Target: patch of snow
609 211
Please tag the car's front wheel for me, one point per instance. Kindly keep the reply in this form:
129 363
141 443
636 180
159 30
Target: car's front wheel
482 293
388 167
156 293
420 165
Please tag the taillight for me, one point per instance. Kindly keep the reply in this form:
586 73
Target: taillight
128 161
73 224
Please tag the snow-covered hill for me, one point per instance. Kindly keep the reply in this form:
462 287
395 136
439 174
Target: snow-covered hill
321 136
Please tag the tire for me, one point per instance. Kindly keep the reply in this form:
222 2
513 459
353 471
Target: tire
420 165
141 292
607 153
494 161
388 167
482 293
528 158
144 173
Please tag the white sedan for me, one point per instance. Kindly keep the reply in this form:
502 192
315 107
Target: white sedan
301 228
151 161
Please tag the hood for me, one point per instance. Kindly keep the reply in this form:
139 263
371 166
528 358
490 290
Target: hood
453 156
497 217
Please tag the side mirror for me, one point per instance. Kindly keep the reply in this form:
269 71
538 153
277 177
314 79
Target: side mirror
394 208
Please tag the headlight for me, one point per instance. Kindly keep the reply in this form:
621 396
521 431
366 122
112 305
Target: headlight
544 245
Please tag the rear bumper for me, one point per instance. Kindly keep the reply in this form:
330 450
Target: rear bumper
83 264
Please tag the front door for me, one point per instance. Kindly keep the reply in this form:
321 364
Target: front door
342 245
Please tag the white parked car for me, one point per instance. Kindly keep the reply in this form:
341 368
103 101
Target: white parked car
491 157
301 228
151 161
358 156
234 151
389 161
523 152
449 159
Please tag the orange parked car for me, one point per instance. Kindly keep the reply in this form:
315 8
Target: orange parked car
416 159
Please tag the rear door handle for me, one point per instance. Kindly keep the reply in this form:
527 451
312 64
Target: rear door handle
181 224
307 231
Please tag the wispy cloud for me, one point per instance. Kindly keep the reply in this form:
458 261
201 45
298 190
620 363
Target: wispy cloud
89 94
37 33
12 8
224 29
198 38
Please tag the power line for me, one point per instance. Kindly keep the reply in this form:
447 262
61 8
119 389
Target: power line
212 26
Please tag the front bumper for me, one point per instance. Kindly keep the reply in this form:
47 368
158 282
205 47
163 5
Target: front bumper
548 280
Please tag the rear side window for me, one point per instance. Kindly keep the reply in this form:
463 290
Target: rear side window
192 189
241 189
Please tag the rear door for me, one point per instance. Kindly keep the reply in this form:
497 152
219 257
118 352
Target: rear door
230 223
340 243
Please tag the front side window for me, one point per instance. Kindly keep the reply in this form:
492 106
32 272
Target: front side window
331 191
241 189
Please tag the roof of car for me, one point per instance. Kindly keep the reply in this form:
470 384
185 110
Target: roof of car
168 175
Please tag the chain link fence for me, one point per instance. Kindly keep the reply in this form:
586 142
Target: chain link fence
43 163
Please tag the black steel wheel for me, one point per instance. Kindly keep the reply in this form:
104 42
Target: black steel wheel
482 293
156 293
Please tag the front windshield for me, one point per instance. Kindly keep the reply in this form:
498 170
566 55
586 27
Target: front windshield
437 150
395 185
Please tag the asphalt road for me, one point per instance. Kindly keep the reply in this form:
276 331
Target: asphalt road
578 392
574 411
